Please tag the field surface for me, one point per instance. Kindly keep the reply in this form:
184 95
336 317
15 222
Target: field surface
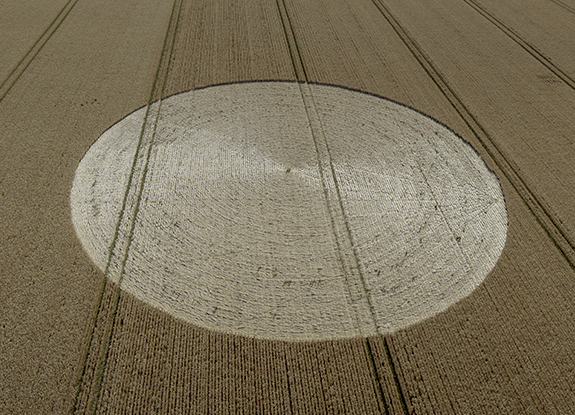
80 334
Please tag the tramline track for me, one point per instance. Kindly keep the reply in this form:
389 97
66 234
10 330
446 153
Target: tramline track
554 229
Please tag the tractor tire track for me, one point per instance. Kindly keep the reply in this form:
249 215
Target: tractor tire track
25 62
301 75
95 357
551 225
528 47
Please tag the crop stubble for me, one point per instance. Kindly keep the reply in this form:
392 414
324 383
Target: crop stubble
504 349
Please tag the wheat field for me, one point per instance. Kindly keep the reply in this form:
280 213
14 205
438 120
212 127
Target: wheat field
287 206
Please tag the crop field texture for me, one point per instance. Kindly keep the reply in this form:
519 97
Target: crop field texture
287 206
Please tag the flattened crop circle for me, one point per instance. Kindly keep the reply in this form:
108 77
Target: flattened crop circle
289 211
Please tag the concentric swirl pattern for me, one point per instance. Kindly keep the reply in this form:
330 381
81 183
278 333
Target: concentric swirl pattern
291 211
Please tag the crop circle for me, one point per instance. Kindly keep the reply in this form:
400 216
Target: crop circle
289 211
